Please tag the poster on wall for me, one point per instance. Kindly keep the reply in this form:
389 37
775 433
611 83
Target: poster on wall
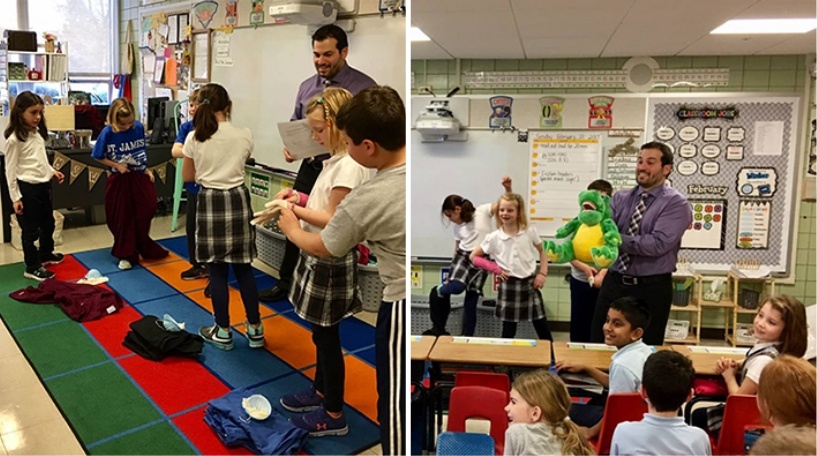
707 228
500 112
551 113
601 112
753 225
740 150
560 166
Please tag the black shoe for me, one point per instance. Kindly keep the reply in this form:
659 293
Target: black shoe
53 258
196 272
207 290
39 274
276 293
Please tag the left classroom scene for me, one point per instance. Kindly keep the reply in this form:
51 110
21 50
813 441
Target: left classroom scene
178 270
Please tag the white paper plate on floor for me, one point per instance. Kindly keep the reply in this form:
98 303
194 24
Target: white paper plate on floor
257 406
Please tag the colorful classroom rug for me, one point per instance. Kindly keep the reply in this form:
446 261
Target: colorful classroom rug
120 403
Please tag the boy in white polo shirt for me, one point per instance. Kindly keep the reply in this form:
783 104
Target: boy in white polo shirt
626 320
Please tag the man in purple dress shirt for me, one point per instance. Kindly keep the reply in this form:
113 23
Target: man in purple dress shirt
647 257
329 50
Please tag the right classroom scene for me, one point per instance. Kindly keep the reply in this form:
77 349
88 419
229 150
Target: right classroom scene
613 238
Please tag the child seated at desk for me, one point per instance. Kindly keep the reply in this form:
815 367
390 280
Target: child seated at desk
626 320
666 385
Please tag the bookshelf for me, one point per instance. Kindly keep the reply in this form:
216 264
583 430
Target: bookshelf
45 73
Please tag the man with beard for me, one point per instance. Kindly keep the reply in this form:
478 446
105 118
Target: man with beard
329 50
651 217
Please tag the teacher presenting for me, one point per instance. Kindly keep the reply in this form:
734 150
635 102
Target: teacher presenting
652 218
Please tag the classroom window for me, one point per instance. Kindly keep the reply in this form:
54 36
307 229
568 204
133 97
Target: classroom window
86 29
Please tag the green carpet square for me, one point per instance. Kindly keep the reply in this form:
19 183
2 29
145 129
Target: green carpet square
12 278
59 348
101 402
20 315
160 438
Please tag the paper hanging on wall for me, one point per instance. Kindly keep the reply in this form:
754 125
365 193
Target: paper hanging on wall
416 277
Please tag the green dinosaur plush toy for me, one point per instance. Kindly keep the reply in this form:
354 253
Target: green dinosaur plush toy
595 237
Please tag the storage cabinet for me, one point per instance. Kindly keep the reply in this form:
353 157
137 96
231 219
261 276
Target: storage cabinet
692 309
44 73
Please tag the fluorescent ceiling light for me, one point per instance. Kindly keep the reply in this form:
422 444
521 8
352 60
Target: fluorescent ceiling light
763 26
418 35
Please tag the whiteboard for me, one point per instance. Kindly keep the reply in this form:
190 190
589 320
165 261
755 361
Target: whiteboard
270 62
472 169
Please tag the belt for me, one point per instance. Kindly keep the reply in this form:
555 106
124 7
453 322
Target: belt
636 280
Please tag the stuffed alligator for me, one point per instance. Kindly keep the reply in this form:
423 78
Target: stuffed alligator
595 237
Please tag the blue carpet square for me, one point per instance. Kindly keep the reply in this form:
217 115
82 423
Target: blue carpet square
139 285
177 245
101 260
356 334
366 355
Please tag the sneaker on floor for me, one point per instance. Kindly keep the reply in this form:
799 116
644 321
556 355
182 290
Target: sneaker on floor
125 265
276 293
302 401
318 423
39 274
196 272
255 335
221 338
53 258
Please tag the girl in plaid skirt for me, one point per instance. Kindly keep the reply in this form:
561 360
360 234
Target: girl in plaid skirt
324 291
471 225
214 157
516 246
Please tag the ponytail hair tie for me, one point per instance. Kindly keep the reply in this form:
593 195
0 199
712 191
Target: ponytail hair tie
206 101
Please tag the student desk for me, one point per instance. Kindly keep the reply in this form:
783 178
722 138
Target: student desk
704 363
421 346
593 357
446 351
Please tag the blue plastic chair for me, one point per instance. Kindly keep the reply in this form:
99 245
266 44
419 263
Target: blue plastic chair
464 443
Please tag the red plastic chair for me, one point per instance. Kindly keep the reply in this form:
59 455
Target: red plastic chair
620 407
741 411
479 402
487 379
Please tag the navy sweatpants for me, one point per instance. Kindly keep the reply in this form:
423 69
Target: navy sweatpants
390 361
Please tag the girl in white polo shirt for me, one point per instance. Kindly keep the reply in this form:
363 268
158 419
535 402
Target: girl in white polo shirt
515 247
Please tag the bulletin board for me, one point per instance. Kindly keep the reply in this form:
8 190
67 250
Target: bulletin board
164 56
735 160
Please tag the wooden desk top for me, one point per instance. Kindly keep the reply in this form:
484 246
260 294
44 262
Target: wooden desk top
422 347
600 359
506 355
704 363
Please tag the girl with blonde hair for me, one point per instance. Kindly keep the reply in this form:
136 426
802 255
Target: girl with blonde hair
538 415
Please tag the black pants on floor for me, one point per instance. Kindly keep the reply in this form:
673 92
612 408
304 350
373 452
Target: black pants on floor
36 223
655 291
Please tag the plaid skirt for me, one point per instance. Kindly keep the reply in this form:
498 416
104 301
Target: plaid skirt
463 270
223 230
517 300
324 291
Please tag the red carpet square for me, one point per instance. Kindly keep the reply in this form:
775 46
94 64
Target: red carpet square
69 269
175 383
110 331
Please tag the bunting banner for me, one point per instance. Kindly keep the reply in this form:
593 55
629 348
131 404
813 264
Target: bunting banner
59 161
93 176
76 169
160 171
